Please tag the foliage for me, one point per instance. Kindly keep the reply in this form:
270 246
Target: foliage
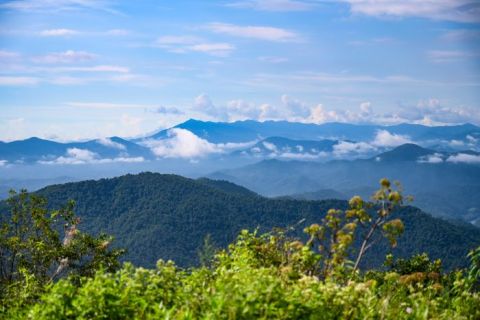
33 251
270 275
260 276
417 263
474 270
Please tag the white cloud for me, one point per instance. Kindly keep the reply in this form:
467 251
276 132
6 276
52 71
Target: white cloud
8 55
464 158
18 81
456 143
58 33
69 56
344 148
214 49
431 158
181 143
439 56
254 32
471 139
107 142
450 10
57 5
99 68
427 112
319 114
3 163
186 43
75 156
432 111
270 146
302 156
272 5
294 107
384 138
203 104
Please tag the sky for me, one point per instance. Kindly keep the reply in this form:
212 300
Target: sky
80 69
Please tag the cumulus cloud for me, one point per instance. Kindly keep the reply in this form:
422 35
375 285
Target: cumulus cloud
181 143
69 56
107 142
384 138
75 156
203 104
450 10
319 114
272 5
432 111
254 32
3 163
294 107
427 112
464 158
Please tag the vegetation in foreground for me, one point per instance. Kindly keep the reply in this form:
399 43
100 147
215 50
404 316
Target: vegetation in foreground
258 276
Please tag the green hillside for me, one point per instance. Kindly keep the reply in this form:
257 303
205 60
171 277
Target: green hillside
167 216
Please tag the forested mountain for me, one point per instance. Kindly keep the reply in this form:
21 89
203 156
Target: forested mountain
167 216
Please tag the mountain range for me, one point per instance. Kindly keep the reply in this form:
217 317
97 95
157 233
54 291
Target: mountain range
442 186
158 216
439 165
269 139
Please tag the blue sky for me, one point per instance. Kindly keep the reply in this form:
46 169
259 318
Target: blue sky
78 69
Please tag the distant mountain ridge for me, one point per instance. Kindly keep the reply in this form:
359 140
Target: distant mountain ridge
35 149
249 130
273 139
444 183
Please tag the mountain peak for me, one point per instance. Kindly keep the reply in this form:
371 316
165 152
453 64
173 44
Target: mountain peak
404 152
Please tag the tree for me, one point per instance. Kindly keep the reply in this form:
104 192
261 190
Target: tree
336 232
206 253
47 244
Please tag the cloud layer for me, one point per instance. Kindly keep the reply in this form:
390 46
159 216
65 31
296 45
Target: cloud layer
76 156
